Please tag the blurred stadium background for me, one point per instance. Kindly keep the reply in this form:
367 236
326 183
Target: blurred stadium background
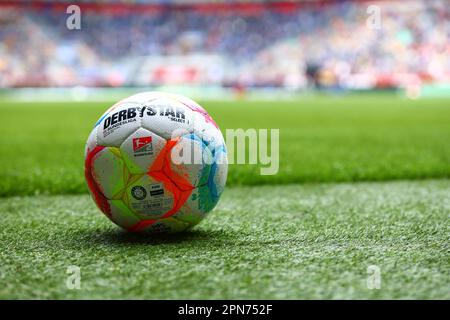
357 108
225 48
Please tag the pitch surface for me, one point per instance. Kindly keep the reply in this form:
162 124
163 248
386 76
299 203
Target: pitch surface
282 240
321 140
309 241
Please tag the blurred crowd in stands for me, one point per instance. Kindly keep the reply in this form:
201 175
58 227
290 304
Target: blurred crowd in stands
331 44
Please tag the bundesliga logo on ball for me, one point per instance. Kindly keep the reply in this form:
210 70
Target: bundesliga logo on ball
156 162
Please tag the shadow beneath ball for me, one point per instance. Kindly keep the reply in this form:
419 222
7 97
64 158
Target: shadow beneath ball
121 236
117 237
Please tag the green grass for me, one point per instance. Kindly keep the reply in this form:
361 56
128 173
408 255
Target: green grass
304 241
310 231
362 138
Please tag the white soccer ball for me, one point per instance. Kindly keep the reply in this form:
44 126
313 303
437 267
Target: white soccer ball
156 162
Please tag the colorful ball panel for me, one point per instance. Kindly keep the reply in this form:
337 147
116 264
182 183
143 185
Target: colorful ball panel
131 170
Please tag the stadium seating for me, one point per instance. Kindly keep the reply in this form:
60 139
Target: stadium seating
261 46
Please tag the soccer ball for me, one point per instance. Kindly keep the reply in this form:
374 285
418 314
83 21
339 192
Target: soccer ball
156 162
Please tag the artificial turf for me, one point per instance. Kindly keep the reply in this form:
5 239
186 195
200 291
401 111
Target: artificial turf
299 241
322 139
297 234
